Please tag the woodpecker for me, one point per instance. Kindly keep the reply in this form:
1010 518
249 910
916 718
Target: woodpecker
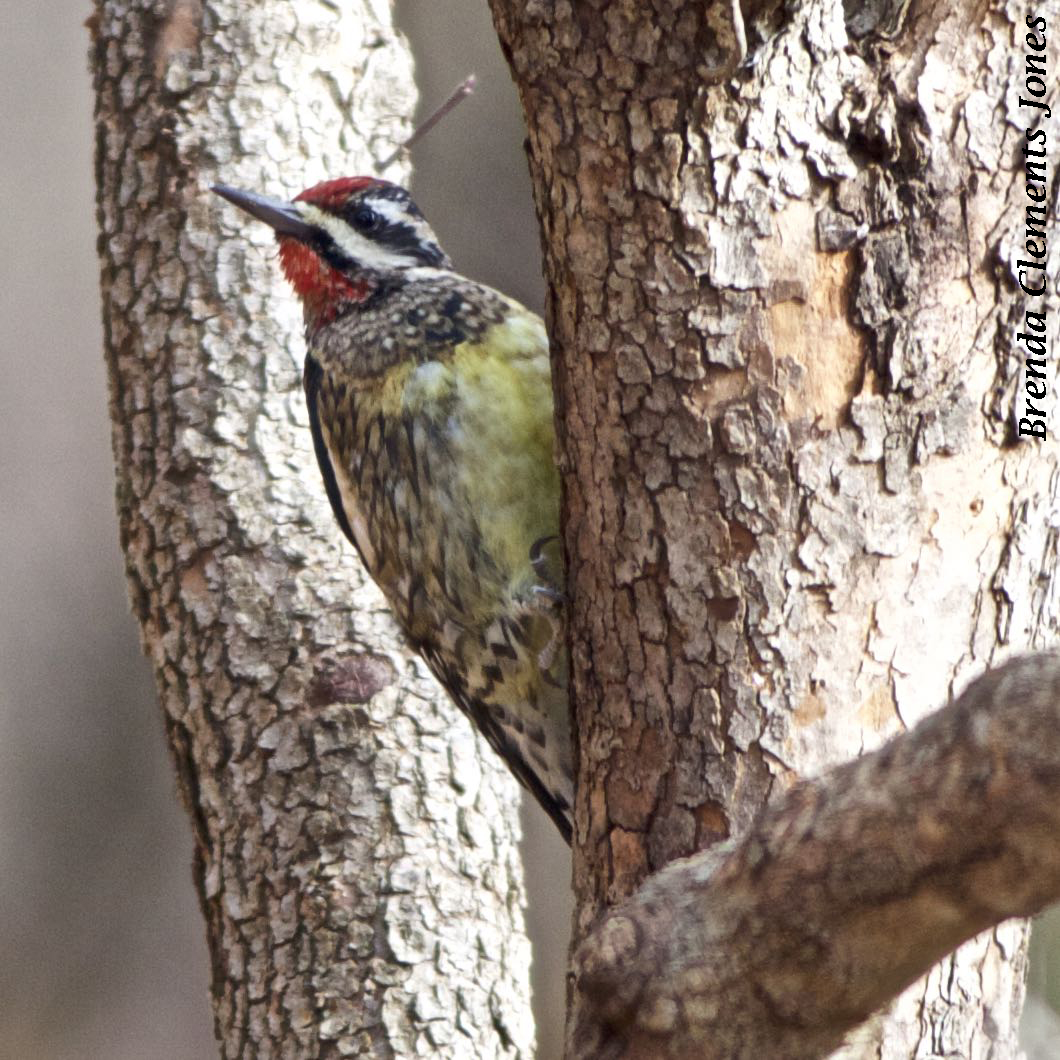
430 404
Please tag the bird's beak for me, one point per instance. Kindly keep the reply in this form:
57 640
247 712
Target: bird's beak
283 217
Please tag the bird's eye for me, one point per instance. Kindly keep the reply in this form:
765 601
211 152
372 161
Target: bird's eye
365 219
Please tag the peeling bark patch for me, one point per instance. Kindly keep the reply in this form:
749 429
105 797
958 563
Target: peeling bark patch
712 825
193 581
809 710
878 712
631 866
353 679
724 608
178 33
816 335
741 539
630 805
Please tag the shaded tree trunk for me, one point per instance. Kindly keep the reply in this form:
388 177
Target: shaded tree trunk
783 305
355 844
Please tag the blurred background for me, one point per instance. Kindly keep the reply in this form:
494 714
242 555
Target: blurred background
102 951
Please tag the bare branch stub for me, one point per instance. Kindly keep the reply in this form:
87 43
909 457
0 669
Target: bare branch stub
455 98
844 892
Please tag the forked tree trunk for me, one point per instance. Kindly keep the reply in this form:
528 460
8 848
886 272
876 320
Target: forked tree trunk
798 515
355 845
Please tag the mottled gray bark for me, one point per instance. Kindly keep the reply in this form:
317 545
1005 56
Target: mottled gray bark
355 844
783 309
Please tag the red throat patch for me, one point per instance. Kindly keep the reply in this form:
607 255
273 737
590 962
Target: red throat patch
322 289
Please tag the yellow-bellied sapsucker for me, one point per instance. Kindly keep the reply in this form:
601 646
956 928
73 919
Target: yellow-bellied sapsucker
430 402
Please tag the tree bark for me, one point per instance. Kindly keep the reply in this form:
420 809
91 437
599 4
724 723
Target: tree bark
781 249
356 850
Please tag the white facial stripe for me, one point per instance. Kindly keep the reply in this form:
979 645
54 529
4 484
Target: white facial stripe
351 242
389 209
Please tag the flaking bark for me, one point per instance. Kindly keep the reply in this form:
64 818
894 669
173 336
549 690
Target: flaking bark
355 845
782 307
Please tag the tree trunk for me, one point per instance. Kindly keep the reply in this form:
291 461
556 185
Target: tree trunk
355 844
783 308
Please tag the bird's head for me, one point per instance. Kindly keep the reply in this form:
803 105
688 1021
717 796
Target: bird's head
343 240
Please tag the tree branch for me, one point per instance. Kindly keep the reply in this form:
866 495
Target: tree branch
842 893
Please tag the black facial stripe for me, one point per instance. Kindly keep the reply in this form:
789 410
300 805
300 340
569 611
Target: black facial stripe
331 252
403 239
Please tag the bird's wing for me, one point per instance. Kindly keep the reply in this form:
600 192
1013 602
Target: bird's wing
311 380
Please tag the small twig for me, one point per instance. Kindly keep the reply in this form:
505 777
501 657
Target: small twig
457 96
